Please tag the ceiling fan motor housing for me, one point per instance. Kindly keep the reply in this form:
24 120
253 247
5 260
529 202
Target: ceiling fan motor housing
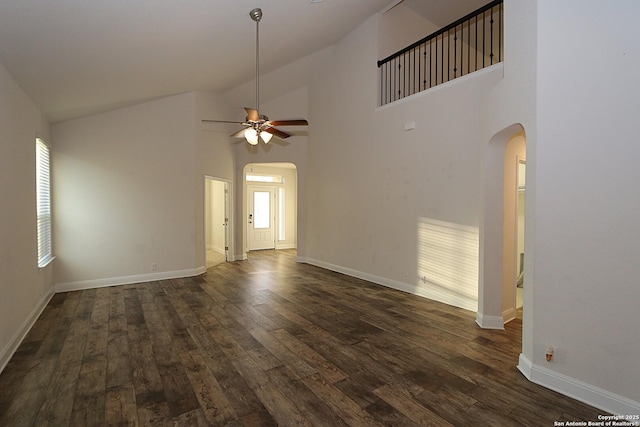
262 118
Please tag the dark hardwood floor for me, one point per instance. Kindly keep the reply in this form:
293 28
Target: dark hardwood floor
266 342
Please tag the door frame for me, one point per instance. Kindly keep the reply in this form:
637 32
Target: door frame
518 238
492 280
228 213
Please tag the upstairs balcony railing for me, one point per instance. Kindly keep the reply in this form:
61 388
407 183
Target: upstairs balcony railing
462 47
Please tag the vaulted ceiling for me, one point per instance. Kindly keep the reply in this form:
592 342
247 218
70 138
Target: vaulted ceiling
76 57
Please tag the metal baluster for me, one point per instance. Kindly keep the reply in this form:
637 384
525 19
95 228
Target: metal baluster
406 70
469 48
449 55
399 83
381 85
392 94
424 55
484 33
416 70
430 59
476 69
455 52
419 67
491 38
442 62
413 79
385 76
500 34
388 83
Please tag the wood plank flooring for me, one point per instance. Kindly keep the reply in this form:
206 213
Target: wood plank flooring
268 342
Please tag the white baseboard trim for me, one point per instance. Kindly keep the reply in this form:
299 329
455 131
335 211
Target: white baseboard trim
359 274
576 389
13 344
286 246
126 280
240 257
525 366
215 249
489 322
509 314
394 284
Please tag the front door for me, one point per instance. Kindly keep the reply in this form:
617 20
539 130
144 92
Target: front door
261 220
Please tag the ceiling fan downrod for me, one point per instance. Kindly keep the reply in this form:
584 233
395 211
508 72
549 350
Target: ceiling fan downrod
256 15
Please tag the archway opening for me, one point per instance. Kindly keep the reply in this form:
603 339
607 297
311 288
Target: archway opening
270 206
499 256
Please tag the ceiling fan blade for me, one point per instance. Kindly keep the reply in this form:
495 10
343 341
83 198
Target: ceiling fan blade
295 122
252 114
277 132
238 134
221 121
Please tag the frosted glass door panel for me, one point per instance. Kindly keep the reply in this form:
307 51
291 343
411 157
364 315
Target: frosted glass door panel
261 224
261 209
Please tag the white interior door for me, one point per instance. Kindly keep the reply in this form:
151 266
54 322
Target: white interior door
261 218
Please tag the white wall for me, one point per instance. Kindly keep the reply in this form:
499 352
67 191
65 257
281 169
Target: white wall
131 190
125 194
400 27
24 288
580 292
374 184
215 158
586 289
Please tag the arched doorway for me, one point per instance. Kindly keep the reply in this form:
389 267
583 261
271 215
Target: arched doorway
276 185
514 198
499 255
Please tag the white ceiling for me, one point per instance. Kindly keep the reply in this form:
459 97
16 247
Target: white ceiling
78 57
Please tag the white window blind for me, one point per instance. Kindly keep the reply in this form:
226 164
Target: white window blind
43 203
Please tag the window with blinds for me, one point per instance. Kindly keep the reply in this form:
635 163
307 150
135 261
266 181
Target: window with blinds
43 203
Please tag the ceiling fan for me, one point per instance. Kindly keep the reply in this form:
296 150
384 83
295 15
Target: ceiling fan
256 124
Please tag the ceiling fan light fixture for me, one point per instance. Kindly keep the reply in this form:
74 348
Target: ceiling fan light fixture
266 136
251 136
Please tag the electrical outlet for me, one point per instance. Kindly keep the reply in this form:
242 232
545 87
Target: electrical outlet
154 266
551 353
